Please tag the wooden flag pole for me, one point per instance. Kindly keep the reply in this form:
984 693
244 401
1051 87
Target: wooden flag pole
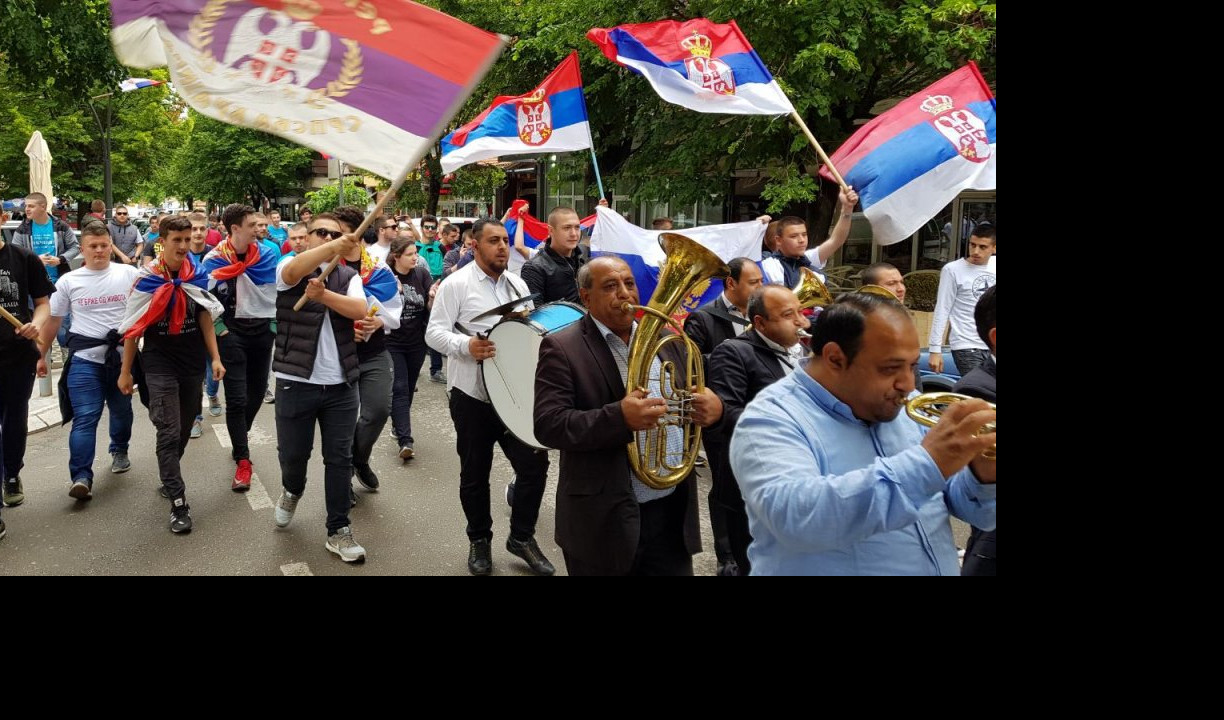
12 319
820 151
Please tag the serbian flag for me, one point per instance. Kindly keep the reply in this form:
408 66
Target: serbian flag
587 224
254 277
913 160
349 79
550 118
697 64
614 235
137 84
382 290
160 294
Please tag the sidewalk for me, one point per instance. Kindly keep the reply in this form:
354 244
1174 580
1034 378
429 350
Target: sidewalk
44 411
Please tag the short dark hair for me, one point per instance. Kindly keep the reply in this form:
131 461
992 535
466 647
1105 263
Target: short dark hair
737 267
429 218
37 197
97 206
785 222
350 216
173 223
658 223
478 228
845 320
986 231
984 315
97 228
322 216
756 302
871 276
398 246
234 214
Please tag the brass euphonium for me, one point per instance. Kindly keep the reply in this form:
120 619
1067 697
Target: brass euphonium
688 266
928 408
810 291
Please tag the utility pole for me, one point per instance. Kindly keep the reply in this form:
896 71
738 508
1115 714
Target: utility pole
105 129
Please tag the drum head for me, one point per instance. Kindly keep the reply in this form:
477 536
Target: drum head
509 377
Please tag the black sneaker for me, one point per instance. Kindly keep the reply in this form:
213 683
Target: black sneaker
13 493
163 492
480 558
530 552
82 489
406 451
365 476
180 520
120 463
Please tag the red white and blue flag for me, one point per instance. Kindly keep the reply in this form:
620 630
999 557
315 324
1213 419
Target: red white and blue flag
371 82
535 231
137 84
913 160
160 294
701 65
381 288
550 118
253 276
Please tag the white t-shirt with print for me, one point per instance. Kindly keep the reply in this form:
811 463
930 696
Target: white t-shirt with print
97 300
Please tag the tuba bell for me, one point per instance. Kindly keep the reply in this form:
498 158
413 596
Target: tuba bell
810 291
688 266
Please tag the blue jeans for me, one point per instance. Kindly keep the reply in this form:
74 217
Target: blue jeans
210 387
91 386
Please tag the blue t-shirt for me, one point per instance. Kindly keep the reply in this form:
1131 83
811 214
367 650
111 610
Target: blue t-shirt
42 240
279 234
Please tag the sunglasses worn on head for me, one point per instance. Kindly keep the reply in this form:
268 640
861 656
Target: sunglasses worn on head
325 233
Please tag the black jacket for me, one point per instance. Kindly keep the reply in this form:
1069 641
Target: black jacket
980 554
709 326
738 370
554 277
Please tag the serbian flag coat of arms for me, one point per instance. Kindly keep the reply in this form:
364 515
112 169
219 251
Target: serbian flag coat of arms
701 65
550 118
372 82
913 160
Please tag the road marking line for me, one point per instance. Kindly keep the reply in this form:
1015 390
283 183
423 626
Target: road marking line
223 436
296 570
257 496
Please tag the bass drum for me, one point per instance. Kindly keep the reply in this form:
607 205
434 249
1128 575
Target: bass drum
509 377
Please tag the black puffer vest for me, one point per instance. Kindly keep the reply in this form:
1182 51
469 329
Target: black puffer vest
297 332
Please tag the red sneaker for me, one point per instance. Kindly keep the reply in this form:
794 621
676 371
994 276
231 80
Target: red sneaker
242 477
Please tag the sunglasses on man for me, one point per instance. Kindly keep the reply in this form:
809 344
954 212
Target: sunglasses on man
430 227
327 234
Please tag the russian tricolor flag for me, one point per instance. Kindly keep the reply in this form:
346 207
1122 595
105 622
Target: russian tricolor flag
550 118
913 160
697 64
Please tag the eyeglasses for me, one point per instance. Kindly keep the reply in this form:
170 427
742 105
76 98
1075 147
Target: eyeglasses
325 233
123 214
430 227
391 227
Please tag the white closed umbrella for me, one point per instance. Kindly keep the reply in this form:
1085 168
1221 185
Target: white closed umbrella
40 181
40 165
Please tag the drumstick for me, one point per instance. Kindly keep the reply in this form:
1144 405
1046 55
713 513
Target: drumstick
11 318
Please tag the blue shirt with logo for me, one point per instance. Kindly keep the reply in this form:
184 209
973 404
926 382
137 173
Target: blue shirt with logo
42 240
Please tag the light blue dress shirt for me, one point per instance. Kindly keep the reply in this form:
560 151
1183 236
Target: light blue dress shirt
828 494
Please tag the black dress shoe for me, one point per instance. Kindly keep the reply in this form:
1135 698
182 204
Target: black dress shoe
365 476
480 558
530 552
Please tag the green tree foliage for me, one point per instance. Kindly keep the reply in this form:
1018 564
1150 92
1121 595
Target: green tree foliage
226 163
326 198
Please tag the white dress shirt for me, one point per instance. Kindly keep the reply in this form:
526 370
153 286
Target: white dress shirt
468 292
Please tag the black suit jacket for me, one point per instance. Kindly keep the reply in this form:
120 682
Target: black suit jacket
709 326
578 411
738 370
980 554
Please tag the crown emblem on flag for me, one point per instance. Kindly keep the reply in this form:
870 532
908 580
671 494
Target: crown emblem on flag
936 104
535 97
697 44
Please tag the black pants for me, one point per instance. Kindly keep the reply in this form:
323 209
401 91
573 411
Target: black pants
407 370
661 550
299 405
477 428
374 390
435 361
718 525
968 360
16 384
739 537
979 554
247 359
174 403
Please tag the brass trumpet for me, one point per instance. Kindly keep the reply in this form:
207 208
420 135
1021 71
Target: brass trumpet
810 291
928 408
688 266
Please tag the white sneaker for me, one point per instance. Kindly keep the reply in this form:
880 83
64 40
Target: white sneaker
285 507
343 544
196 430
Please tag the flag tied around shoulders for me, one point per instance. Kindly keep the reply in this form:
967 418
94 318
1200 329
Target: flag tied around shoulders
137 84
371 82
697 64
614 235
253 276
159 293
910 162
550 118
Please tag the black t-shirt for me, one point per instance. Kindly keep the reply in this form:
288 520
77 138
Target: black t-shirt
181 355
415 315
373 345
152 249
22 277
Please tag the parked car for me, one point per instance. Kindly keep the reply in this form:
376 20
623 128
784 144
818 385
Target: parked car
938 382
